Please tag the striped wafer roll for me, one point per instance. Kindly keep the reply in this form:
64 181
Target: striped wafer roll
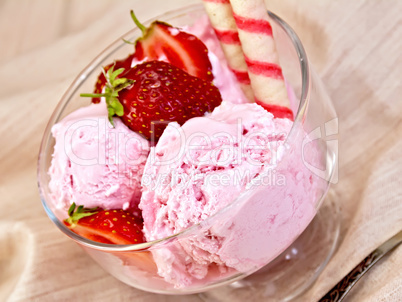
258 45
221 17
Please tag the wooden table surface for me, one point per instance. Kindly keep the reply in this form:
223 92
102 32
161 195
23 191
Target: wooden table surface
356 47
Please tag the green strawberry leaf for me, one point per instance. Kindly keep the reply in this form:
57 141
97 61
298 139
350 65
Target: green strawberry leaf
119 81
119 110
114 74
111 94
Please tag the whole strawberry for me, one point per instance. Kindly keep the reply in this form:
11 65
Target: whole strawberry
163 93
150 95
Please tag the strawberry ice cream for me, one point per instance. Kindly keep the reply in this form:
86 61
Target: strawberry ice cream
230 158
94 164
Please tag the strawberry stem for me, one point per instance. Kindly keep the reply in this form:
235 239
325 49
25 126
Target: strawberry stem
92 95
138 23
76 213
128 42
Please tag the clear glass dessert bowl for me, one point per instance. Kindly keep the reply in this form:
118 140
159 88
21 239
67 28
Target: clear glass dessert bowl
252 232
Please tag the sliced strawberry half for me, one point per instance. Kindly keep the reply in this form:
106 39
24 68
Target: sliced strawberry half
105 226
181 49
161 40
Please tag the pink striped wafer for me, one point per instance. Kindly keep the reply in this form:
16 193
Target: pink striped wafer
258 45
224 25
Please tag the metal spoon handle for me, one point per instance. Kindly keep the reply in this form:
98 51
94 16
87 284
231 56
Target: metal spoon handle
340 290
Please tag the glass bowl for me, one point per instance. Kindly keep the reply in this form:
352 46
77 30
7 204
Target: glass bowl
268 215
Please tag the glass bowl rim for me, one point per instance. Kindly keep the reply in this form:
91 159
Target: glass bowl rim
82 76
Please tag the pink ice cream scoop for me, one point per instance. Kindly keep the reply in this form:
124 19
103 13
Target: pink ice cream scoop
95 164
196 170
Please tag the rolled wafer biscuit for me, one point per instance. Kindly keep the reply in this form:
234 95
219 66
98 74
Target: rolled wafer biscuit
221 17
258 45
